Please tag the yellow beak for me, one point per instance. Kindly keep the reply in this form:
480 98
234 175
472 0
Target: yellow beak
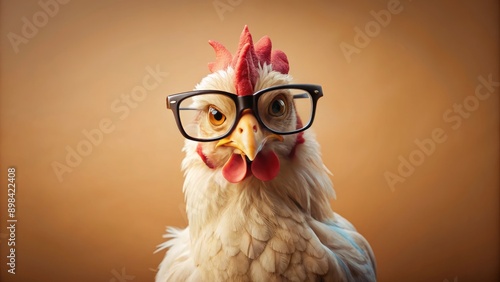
248 137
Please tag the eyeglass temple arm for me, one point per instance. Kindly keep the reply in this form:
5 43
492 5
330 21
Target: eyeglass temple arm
301 96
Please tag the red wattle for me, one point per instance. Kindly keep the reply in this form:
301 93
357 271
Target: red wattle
266 166
235 168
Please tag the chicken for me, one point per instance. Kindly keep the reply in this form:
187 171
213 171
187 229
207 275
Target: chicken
257 192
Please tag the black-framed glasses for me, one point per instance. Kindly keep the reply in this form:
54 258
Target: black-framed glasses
210 115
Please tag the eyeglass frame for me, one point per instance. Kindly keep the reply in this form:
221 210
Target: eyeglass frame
242 103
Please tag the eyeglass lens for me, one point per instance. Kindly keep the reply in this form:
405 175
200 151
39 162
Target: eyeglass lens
207 116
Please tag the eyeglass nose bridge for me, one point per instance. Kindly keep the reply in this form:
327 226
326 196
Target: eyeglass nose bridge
245 102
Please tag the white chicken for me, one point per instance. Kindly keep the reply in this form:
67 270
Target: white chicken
257 192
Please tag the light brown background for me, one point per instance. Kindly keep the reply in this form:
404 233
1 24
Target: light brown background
110 212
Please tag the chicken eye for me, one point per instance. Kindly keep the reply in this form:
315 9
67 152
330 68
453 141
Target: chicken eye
277 107
215 116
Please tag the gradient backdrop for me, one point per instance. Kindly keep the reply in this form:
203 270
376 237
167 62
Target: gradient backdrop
69 71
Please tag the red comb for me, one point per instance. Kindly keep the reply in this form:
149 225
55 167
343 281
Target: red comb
246 60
